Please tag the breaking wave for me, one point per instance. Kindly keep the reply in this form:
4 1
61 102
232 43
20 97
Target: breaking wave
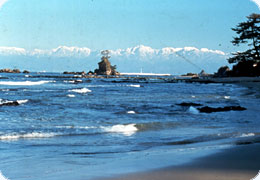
134 85
247 135
83 90
131 112
16 136
71 95
17 102
126 130
22 101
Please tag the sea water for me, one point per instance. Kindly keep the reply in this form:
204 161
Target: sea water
69 127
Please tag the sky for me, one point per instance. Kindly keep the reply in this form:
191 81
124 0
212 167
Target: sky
57 35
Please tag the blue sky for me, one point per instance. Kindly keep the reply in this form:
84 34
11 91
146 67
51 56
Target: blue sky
114 24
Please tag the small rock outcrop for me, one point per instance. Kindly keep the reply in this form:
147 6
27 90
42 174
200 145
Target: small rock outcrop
75 73
223 71
9 103
189 104
10 71
105 67
207 109
26 72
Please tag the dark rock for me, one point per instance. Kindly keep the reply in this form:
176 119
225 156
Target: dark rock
9 103
223 71
26 72
207 109
104 66
189 104
90 73
190 75
10 71
75 73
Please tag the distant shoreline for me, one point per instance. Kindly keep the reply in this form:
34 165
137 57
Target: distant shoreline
167 78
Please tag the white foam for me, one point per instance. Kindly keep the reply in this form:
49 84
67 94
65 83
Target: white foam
134 85
2 177
83 90
18 101
130 112
26 76
193 110
126 130
73 81
76 127
247 135
15 136
71 95
23 83
226 97
22 101
5 101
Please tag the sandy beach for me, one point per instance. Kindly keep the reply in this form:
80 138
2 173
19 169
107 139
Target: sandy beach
238 163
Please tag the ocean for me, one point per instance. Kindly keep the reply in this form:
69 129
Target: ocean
64 127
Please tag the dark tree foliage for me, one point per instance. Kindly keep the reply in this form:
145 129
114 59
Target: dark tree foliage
248 33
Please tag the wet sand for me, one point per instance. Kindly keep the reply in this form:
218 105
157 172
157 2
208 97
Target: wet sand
239 163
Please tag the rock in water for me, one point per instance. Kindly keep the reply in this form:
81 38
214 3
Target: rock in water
207 109
105 67
10 71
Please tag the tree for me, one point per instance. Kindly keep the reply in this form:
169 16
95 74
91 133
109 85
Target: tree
248 33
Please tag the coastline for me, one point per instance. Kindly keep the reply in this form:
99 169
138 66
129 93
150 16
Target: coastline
237 163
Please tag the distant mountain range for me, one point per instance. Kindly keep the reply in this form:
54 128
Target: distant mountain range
165 60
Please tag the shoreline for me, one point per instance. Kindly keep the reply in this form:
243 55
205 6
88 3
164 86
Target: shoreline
236 163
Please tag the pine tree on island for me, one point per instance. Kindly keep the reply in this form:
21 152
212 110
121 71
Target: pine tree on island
105 67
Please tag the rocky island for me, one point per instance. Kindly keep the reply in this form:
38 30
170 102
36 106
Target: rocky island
105 67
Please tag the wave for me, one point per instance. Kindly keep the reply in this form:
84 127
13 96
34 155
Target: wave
16 136
226 97
131 112
247 135
76 127
193 110
126 130
24 83
134 85
22 101
12 103
74 81
71 95
83 90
